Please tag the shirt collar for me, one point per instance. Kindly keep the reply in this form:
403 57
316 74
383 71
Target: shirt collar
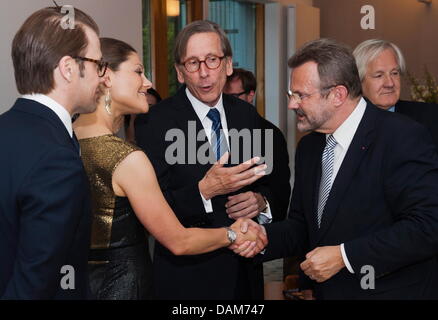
60 111
346 131
392 109
201 108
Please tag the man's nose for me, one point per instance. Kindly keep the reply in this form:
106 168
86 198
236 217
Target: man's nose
292 104
203 69
389 82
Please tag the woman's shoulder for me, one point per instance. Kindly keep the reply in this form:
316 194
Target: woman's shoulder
107 150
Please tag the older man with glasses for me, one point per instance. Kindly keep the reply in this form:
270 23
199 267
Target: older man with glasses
205 194
381 65
364 207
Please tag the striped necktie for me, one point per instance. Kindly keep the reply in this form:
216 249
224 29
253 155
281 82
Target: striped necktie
325 186
218 141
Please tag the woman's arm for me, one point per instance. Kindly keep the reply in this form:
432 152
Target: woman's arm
135 178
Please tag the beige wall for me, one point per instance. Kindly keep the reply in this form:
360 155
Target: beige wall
308 24
412 25
116 18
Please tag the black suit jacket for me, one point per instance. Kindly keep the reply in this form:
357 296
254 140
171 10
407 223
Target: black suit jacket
216 275
383 206
44 207
424 113
279 179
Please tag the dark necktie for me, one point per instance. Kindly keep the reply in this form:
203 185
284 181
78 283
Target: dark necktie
76 143
218 141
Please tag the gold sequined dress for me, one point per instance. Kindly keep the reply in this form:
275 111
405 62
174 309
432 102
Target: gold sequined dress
119 261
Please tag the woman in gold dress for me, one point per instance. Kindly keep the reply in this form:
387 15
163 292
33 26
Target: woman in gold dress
125 192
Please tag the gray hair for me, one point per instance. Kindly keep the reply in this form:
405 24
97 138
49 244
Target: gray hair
336 64
368 50
199 26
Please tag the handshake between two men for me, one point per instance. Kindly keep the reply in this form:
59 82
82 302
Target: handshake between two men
251 238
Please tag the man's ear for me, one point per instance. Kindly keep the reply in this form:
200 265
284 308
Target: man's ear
340 94
67 66
179 73
229 66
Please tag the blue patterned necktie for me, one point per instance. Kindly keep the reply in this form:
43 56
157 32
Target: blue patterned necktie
218 141
328 156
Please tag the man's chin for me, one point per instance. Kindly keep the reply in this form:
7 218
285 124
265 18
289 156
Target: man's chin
90 108
386 104
304 127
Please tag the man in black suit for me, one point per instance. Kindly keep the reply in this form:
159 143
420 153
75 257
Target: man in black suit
381 64
199 193
44 207
364 205
242 84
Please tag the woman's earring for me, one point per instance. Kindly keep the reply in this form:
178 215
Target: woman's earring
108 102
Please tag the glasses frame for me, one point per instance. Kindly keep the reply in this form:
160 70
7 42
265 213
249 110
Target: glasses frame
205 62
102 65
299 98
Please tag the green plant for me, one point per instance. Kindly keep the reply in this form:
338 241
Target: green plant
424 90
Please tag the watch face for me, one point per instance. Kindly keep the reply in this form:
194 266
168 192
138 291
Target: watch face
232 235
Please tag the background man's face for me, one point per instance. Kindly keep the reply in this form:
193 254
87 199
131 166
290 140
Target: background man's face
234 87
205 84
381 84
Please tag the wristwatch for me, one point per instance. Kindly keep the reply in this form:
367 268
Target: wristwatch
232 236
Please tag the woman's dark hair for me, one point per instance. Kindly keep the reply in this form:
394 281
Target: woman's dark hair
115 52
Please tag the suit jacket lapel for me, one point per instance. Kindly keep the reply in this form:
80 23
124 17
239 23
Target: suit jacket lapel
316 178
233 119
355 154
188 120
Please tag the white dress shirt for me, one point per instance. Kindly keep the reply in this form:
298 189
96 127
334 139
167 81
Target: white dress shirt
201 110
60 111
344 135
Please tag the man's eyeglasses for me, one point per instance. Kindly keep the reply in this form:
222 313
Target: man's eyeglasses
101 65
193 64
298 98
237 95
